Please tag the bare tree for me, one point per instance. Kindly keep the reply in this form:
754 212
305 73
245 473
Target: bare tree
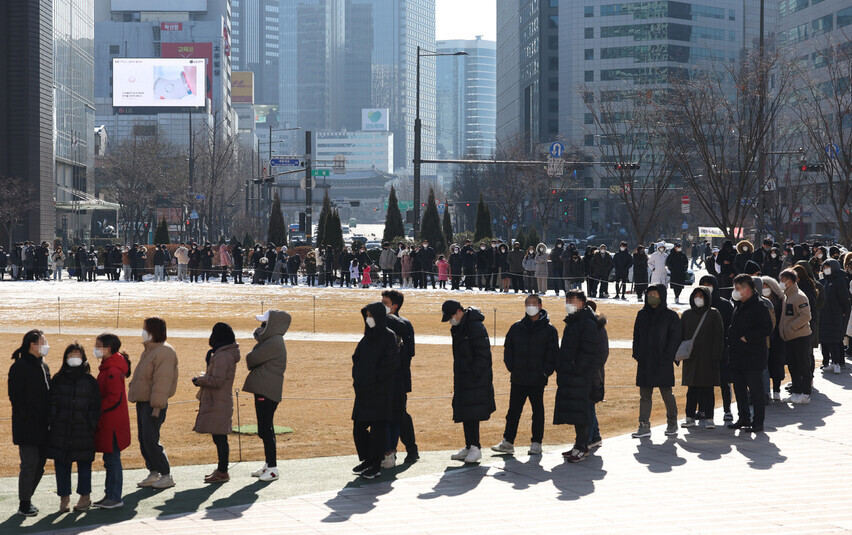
15 203
505 186
464 192
632 143
215 175
719 120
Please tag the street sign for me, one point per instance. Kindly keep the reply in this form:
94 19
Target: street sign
770 185
684 204
193 215
285 161
320 172
557 149
555 166
832 150
199 197
685 226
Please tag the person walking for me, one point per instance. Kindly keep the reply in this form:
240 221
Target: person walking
623 261
701 374
154 382
677 264
473 382
29 394
75 408
575 368
374 366
113 432
834 315
541 271
267 362
640 272
751 326
215 396
657 333
529 352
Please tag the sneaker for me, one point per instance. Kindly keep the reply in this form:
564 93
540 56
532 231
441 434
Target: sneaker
837 368
689 422
389 461
152 478
643 432
106 503
28 510
804 399
411 457
504 447
671 430
576 455
595 444
728 417
371 473
217 477
776 396
164 482
709 424
739 424
258 473
473 455
792 398
270 474
461 455
535 448
357 470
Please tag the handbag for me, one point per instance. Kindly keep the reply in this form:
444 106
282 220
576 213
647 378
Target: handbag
684 350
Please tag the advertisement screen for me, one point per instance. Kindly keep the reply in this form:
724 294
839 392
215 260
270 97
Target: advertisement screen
192 50
242 87
374 119
158 82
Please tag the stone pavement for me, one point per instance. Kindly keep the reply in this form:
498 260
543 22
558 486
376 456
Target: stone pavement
794 478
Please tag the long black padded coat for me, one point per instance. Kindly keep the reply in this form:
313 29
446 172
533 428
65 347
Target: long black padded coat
575 368
75 408
530 350
374 366
657 333
473 380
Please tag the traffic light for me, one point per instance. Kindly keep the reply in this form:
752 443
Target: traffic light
623 166
813 167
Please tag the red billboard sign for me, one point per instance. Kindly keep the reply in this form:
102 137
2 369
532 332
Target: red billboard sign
192 50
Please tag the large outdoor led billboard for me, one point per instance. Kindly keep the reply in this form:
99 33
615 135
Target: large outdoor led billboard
158 83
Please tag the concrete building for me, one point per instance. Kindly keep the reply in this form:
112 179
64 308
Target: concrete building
362 150
255 37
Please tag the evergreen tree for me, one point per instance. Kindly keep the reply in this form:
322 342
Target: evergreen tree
521 239
430 229
233 241
394 227
222 239
277 232
483 221
248 242
162 234
334 231
448 226
323 218
533 238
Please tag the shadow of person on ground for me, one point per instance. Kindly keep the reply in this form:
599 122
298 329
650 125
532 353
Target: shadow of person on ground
708 444
805 417
455 481
238 501
185 502
659 458
522 475
759 449
575 480
356 498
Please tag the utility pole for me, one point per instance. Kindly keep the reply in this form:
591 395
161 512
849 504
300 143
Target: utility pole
761 159
191 172
308 188
418 126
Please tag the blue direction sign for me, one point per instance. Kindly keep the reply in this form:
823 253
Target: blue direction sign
557 149
193 215
284 162
832 150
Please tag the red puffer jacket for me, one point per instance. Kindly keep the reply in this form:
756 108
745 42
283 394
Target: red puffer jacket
115 419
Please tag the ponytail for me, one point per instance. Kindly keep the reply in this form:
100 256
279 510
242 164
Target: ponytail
127 360
32 337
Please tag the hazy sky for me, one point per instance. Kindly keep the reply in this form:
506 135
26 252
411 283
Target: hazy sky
465 19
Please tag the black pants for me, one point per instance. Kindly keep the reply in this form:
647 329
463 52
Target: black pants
294 278
593 287
469 276
799 363
639 288
224 274
32 468
471 434
518 396
745 383
604 288
517 282
701 398
370 440
582 440
238 275
677 288
833 353
222 452
456 282
265 409
148 433
387 274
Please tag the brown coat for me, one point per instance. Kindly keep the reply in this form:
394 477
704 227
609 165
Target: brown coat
155 377
216 392
795 315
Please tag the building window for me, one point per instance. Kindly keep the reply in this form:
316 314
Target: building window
589 53
589 140
589 11
589 76
588 119
589 33
844 17
114 49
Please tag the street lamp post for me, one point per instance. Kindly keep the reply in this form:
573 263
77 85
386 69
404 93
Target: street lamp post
418 125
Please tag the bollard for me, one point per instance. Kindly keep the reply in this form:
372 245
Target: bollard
315 314
59 314
239 424
495 327
261 308
118 310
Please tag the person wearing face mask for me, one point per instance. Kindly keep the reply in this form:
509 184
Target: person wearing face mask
657 265
516 267
744 254
777 347
819 257
113 432
401 425
216 402
622 262
529 352
703 324
725 260
374 366
751 326
657 333
575 368
194 263
427 259
29 394
502 263
556 265
601 268
640 271
75 407
530 285
834 316
484 264
726 310
154 382
405 261
541 269
771 266
760 255
677 264
182 257
455 262
387 260
468 259
572 270
815 291
267 362
473 380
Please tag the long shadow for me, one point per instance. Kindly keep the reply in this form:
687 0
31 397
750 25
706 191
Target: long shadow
358 497
573 481
760 450
805 417
455 481
708 444
841 379
237 501
659 458
523 475
186 502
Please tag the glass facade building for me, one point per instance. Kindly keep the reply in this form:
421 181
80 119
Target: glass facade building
255 38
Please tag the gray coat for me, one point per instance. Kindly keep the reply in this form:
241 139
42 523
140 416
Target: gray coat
267 360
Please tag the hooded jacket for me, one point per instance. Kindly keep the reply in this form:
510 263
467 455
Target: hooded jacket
640 267
405 331
601 356
657 264
473 381
677 263
702 368
835 313
75 407
602 265
530 350
556 257
816 297
772 266
541 260
215 396
744 252
155 378
115 419
575 367
751 325
29 391
374 364
657 333
267 361
725 259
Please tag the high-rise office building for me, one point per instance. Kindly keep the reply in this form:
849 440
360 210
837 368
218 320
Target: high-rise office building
466 97
255 42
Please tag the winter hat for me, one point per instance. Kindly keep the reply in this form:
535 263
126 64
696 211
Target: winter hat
449 308
222 335
751 268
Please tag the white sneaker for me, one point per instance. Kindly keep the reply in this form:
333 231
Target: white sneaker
837 368
270 474
389 460
258 473
152 478
474 455
535 448
689 422
792 398
461 455
504 447
804 399
164 482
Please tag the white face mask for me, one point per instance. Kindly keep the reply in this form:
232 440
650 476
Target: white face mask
371 322
827 271
146 336
532 310
388 310
481 247
819 255
736 295
662 249
766 292
43 350
74 361
570 308
699 302
623 248
98 353
454 321
774 255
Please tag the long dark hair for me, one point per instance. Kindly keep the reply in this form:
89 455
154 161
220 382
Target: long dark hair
70 349
114 344
32 337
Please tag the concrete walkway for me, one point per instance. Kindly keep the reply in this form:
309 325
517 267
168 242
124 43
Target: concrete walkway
794 478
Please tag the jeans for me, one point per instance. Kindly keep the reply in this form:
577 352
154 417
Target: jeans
223 451
181 272
148 432
63 478
645 404
518 396
127 271
159 273
701 398
265 409
594 427
471 434
32 468
370 443
745 383
57 273
114 473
